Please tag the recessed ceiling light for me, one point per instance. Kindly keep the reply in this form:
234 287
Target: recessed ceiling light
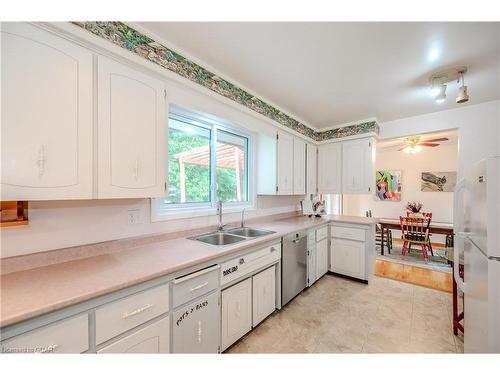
433 54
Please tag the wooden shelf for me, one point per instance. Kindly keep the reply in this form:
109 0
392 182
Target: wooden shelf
14 213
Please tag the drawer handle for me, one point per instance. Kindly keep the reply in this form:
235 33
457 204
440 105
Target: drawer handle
198 287
138 311
49 349
273 249
199 331
242 260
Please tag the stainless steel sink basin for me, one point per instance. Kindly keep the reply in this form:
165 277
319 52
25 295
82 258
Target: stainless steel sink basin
218 238
250 232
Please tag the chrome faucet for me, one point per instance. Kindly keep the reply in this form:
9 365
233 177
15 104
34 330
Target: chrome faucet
220 226
242 218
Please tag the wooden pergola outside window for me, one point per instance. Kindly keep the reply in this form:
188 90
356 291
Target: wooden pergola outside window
228 156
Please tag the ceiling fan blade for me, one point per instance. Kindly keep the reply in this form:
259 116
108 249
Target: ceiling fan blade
427 144
436 140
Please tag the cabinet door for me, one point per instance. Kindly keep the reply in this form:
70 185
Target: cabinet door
311 265
236 312
154 338
348 258
299 166
311 170
131 133
285 163
357 166
321 258
329 168
264 294
196 326
46 116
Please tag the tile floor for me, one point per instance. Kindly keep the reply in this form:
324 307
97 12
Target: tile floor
337 315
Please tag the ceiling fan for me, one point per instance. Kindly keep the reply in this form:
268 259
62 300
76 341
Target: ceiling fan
414 144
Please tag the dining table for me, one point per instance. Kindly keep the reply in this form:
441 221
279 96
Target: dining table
435 227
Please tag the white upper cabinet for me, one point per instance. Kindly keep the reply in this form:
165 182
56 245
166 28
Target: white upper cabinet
299 166
311 169
132 129
358 166
284 163
46 129
330 168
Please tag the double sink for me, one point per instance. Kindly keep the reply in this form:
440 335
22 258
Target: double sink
231 236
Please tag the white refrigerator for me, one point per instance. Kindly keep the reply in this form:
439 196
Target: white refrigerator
477 228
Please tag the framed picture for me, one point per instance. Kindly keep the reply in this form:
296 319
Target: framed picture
388 186
438 181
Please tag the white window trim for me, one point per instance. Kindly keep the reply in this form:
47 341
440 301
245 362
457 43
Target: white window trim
159 211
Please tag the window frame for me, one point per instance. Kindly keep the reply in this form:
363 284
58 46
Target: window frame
161 211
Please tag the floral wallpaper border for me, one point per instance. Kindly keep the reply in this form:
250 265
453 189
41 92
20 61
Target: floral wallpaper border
126 37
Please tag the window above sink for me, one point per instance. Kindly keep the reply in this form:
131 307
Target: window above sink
208 161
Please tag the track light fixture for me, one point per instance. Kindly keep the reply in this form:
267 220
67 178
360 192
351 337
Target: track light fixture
462 91
439 80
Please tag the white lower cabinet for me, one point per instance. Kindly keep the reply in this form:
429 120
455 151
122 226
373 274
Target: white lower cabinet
236 312
311 264
196 326
264 295
152 339
65 336
321 258
348 257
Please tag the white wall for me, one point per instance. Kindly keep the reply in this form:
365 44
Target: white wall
440 159
478 125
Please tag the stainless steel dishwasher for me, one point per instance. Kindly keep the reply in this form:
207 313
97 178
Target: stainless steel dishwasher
294 266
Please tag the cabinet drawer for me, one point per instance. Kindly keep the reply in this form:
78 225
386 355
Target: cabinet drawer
355 234
245 264
196 326
152 339
194 285
120 316
321 233
67 336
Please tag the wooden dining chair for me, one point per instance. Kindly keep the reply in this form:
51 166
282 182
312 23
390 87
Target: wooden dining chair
378 234
415 230
429 215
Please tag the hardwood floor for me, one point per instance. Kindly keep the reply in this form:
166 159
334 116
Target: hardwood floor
414 275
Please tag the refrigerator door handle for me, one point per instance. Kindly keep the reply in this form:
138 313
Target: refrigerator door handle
457 211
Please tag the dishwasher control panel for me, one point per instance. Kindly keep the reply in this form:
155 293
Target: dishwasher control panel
247 263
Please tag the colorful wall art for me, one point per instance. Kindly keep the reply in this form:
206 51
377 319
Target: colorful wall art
388 186
438 181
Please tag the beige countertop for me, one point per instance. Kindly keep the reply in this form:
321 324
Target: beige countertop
33 292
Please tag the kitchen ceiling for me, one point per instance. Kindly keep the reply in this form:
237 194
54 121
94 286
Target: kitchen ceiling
329 74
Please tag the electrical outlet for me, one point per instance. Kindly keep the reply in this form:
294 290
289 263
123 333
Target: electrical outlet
134 217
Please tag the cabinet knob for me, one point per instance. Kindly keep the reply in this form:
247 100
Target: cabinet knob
242 260
273 249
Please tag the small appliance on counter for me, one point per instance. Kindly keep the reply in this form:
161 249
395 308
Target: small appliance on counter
314 207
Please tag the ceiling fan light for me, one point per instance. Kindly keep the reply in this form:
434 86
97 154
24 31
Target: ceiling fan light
412 149
462 96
